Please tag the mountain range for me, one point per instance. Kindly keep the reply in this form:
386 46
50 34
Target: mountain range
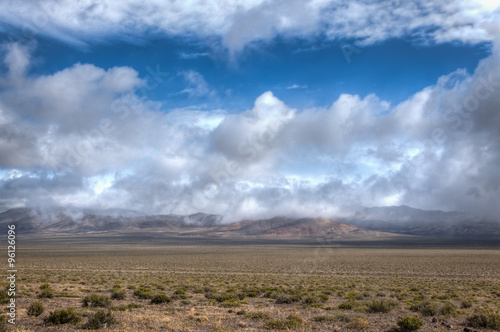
434 223
363 223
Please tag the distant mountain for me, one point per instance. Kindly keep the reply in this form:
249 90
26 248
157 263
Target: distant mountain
282 227
60 221
56 220
406 220
364 223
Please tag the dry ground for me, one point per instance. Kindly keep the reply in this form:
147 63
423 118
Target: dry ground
244 287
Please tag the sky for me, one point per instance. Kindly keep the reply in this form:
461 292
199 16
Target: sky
250 109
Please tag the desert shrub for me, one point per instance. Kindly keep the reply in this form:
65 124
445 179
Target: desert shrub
68 316
346 305
448 308
282 298
224 297
258 315
409 324
292 321
251 294
160 298
143 293
426 308
323 297
380 306
323 318
117 294
4 295
99 319
96 301
312 299
484 319
129 306
46 292
355 296
230 304
180 294
3 323
36 308
466 304
359 323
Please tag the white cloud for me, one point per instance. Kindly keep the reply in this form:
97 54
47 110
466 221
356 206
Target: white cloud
241 22
102 146
196 85
296 86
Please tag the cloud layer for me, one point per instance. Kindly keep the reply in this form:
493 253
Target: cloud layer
85 136
239 23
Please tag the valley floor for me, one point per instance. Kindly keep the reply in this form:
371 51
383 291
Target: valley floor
253 287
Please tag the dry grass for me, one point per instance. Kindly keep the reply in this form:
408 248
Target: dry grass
259 287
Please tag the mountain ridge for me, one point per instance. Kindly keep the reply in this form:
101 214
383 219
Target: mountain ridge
34 221
364 222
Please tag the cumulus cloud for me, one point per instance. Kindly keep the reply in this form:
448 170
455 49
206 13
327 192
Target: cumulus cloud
196 85
83 136
239 23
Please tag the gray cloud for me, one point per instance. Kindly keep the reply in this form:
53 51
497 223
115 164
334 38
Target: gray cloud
101 145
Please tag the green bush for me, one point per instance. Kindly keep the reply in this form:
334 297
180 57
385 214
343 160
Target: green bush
292 321
258 315
312 299
4 295
117 294
96 301
426 308
129 306
466 304
180 294
36 308
160 298
346 305
47 292
484 319
230 304
448 308
3 323
324 319
143 293
380 306
409 324
100 319
285 298
62 316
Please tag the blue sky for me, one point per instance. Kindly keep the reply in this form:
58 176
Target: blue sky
250 108
303 73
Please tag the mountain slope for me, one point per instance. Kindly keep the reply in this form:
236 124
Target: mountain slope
281 227
196 225
406 220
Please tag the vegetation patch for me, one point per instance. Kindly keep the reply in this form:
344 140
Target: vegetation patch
63 316
381 306
96 301
46 292
36 308
160 298
291 322
144 293
409 324
117 294
484 319
99 319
